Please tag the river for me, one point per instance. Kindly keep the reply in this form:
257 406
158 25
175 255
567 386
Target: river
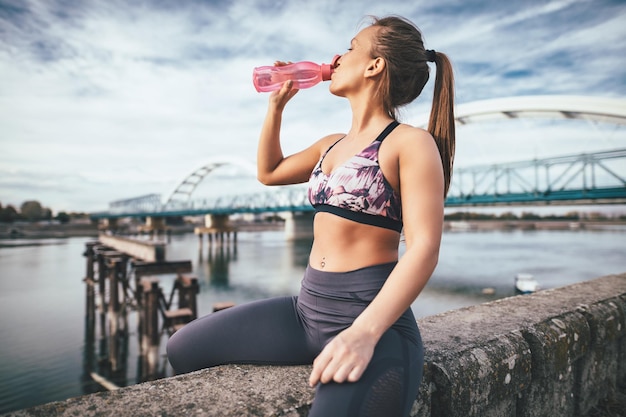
45 356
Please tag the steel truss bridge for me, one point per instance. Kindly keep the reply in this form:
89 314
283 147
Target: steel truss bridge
590 178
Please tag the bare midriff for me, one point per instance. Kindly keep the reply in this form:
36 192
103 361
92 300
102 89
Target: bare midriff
342 245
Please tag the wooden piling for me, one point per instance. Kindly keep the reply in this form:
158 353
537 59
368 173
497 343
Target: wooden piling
113 267
90 305
90 254
142 269
100 261
150 312
90 292
188 288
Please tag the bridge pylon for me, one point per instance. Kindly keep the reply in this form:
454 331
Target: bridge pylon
217 227
298 225
153 226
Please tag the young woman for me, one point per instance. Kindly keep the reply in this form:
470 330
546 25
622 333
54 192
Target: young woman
352 318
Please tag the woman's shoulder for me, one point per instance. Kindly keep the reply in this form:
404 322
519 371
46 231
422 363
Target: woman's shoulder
410 138
333 137
329 140
413 145
408 132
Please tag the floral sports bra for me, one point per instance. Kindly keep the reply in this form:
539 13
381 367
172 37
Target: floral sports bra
358 190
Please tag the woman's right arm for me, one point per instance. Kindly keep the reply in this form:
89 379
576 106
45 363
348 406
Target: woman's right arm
272 167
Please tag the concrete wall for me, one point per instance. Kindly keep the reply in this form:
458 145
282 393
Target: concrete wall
556 353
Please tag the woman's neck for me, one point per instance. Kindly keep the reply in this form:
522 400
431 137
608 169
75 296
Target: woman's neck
367 114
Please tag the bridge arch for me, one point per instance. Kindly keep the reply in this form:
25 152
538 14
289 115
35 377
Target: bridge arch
182 193
595 109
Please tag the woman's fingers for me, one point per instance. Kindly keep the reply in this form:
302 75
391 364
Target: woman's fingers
356 373
340 361
319 366
341 373
281 96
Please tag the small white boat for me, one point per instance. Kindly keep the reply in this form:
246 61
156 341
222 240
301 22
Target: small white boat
525 283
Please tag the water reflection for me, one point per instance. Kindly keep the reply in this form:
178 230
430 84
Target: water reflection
106 351
107 358
216 268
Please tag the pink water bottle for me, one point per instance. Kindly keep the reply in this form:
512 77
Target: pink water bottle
304 74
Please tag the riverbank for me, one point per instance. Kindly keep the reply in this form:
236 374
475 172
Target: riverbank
462 225
24 230
40 230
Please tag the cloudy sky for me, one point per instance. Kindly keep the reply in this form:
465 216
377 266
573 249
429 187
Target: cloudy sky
105 100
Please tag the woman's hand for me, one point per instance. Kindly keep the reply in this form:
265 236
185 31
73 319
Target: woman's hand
280 97
344 358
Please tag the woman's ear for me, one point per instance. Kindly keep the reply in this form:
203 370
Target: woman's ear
376 66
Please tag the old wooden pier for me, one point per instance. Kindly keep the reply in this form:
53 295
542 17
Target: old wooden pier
123 277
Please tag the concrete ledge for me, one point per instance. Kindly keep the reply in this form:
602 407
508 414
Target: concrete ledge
234 390
559 352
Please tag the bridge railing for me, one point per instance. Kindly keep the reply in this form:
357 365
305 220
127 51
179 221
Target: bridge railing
581 176
274 199
147 202
598 177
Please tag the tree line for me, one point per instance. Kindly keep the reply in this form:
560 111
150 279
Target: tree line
571 216
33 211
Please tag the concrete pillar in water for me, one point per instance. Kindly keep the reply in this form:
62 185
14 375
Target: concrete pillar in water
217 221
108 224
299 225
154 225
215 227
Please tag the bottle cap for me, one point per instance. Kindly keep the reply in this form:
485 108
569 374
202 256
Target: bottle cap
327 69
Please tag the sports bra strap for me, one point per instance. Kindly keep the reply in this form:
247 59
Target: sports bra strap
387 131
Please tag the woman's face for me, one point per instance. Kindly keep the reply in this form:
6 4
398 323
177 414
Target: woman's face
349 74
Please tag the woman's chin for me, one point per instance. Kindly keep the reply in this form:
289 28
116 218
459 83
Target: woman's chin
334 90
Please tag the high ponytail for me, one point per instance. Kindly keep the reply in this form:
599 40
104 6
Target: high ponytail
441 123
406 73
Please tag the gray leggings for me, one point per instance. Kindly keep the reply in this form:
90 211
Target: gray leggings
294 330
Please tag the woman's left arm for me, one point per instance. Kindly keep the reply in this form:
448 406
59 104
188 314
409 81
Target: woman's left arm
346 357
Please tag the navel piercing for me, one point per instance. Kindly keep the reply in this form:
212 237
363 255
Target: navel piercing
323 263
